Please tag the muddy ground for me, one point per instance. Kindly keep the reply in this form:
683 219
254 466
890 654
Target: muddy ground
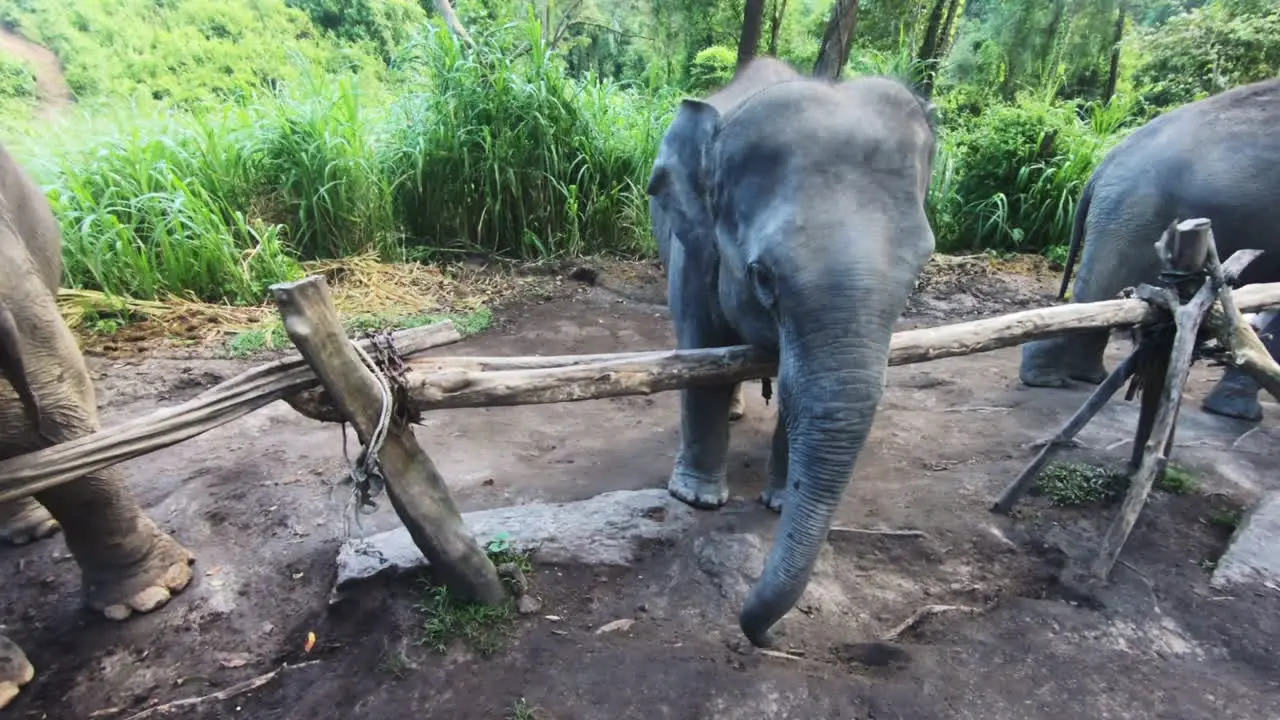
253 501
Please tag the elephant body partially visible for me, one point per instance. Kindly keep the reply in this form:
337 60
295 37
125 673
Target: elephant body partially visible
1217 158
790 214
127 564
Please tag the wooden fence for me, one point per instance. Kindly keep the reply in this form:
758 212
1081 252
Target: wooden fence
367 384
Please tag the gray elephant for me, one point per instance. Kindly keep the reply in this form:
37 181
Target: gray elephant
795 210
127 563
1217 158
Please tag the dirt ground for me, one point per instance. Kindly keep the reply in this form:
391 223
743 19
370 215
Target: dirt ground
52 91
253 501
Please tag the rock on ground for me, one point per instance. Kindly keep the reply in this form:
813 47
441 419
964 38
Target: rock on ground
1254 552
607 529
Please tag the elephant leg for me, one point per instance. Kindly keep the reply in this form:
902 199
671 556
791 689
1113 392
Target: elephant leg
775 493
1117 254
1056 361
24 520
1236 394
699 477
737 406
126 562
15 670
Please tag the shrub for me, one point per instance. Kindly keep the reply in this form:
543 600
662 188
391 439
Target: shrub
1019 171
712 67
17 82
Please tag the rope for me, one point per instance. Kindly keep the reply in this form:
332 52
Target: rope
365 475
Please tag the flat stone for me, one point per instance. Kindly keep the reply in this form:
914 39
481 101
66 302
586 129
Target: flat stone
1253 554
608 529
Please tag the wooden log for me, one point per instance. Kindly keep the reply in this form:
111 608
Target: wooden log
1179 246
660 372
225 402
1116 380
1244 349
416 490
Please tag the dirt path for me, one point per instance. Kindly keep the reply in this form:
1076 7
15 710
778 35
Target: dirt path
52 91
251 500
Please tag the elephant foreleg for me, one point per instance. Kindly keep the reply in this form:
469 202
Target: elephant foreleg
15 670
25 520
738 405
127 563
699 476
775 492
1236 394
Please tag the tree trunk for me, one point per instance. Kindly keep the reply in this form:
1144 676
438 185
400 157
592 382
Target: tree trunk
775 25
948 25
837 41
929 46
928 54
451 19
752 23
1113 75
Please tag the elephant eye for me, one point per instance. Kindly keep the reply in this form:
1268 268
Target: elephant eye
762 281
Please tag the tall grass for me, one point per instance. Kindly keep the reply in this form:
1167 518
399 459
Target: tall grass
492 150
477 152
516 159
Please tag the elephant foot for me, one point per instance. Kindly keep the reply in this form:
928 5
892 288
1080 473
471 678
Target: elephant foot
700 491
774 498
1230 401
143 586
1055 378
25 520
738 406
15 670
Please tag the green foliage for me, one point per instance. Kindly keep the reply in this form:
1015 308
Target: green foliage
235 138
185 52
510 157
384 25
712 67
1018 174
16 79
1072 484
1207 51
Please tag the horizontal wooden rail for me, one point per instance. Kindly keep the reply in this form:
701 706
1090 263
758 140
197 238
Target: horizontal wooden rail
472 382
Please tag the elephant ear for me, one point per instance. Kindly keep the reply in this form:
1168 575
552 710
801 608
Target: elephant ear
680 181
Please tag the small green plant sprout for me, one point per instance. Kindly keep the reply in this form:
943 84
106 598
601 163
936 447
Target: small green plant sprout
483 628
1177 480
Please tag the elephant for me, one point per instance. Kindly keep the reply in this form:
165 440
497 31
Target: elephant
794 217
127 563
1217 158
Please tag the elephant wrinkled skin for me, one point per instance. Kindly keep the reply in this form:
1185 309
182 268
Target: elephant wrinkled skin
127 563
790 213
1217 158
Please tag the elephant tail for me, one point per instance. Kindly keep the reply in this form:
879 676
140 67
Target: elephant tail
1077 236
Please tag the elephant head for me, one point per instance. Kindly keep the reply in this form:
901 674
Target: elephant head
803 200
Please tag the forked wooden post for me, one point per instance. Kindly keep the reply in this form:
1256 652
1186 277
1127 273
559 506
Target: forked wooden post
1183 249
413 484
1192 279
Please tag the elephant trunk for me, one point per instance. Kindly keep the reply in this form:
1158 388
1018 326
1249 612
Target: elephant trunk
831 382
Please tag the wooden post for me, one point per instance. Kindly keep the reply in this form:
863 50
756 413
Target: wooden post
1180 248
416 490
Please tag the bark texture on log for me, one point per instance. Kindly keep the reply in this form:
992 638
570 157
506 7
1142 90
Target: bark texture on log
217 406
413 484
